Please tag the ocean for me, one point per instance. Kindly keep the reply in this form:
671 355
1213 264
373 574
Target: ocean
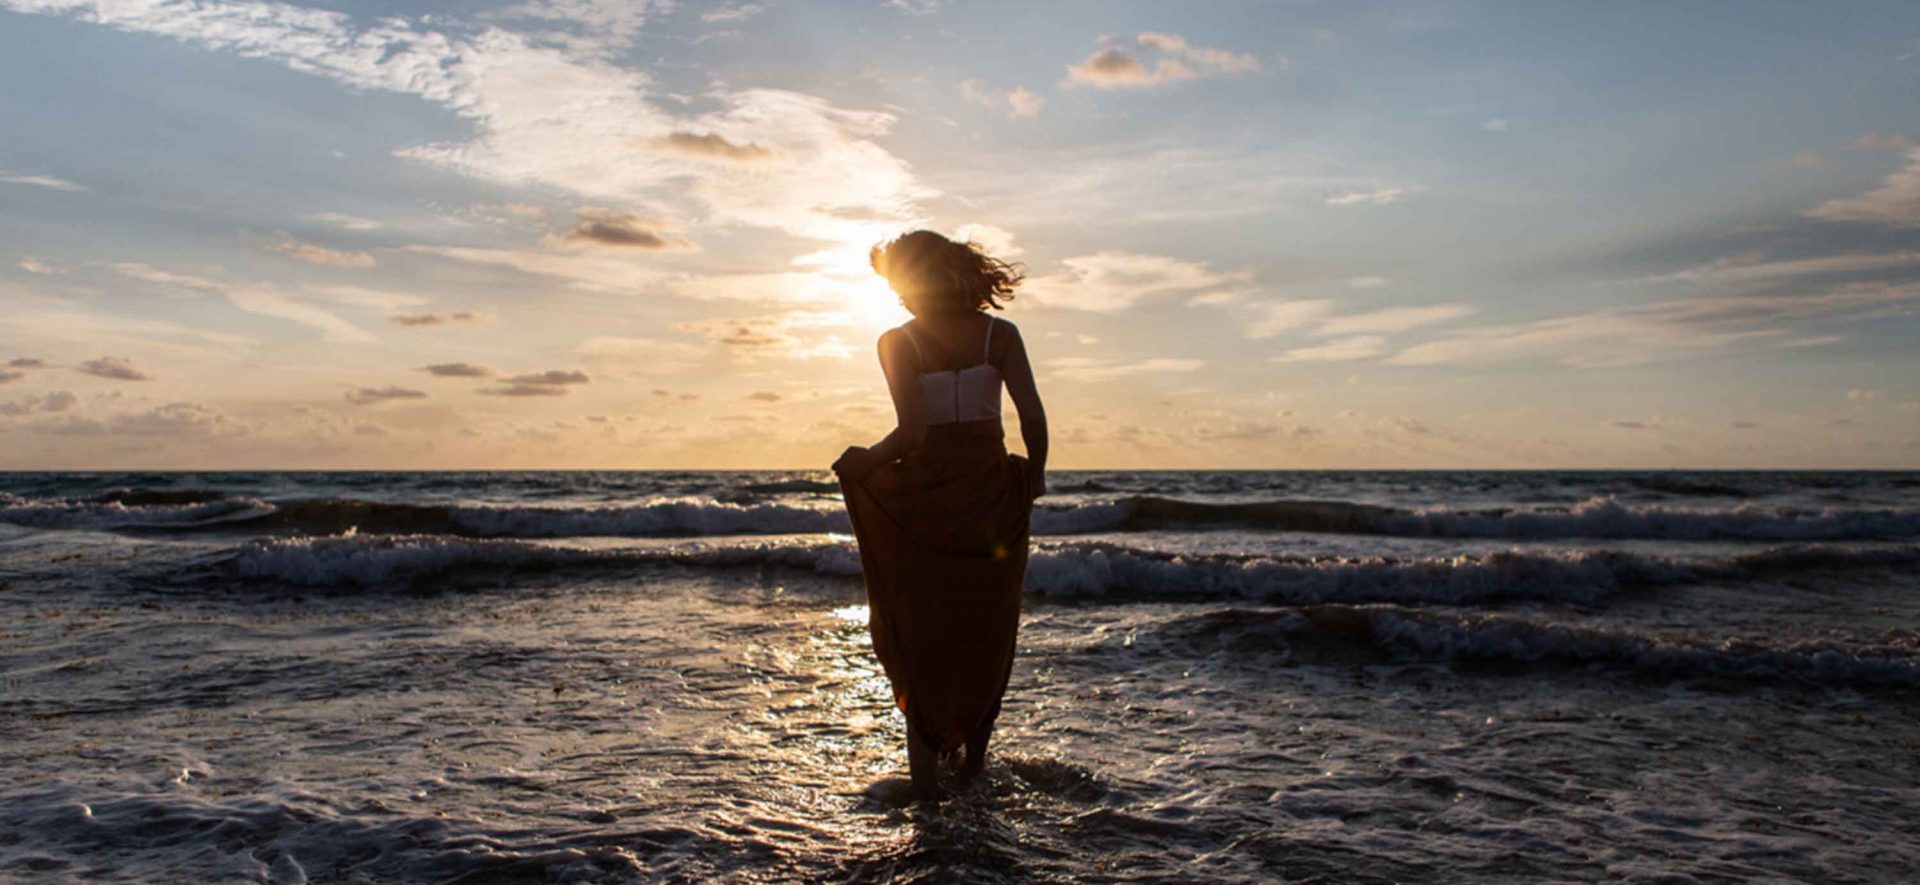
1222 676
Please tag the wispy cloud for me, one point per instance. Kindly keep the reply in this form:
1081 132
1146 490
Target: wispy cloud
1895 202
548 108
52 182
1874 141
1377 197
1092 369
1679 328
313 254
1340 350
1114 281
36 266
260 298
344 221
1392 319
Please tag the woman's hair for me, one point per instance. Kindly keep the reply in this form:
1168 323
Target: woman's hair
936 275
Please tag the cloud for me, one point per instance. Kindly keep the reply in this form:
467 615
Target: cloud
1634 425
322 255
732 12
1091 369
1895 202
373 396
1754 268
344 221
552 378
708 146
997 241
1862 393
1273 317
1114 68
1496 125
608 227
438 319
765 396
458 370
525 390
27 362
178 419
117 368
1378 197
771 337
1874 141
8 376
1354 348
259 298
1114 281
36 266
58 401
1809 160
1661 330
1392 319
47 181
1367 282
1019 102
549 108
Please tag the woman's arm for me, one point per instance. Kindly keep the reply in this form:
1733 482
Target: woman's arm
1018 373
909 411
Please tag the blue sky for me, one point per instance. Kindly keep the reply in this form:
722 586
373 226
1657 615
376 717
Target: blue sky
573 233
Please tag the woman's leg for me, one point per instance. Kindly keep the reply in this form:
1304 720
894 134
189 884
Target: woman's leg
923 765
976 752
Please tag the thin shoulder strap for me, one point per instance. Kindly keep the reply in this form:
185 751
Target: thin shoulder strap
986 354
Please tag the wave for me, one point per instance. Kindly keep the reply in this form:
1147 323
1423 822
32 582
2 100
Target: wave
172 835
1604 518
1595 518
1072 571
122 509
1337 631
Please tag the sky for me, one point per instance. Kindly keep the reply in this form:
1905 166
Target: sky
587 234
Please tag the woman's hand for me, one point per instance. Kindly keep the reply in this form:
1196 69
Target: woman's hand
854 463
1036 483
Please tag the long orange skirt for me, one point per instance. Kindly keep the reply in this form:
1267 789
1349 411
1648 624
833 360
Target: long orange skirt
943 543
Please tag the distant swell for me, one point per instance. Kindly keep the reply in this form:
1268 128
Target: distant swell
119 509
1318 631
1071 570
1596 518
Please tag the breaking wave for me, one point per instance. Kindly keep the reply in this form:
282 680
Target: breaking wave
1070 571
1604 517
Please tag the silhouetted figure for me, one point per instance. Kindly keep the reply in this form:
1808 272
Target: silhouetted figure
939 507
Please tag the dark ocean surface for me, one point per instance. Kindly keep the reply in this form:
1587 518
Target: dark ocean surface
1223 676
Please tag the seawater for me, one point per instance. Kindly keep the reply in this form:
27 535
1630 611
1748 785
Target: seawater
1222 676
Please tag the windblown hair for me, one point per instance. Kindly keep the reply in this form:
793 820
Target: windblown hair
933 274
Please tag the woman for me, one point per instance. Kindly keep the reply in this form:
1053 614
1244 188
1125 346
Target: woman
939 508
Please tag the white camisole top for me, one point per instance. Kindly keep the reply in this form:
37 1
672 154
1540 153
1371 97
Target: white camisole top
955 395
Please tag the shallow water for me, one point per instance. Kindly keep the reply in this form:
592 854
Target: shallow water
651 677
